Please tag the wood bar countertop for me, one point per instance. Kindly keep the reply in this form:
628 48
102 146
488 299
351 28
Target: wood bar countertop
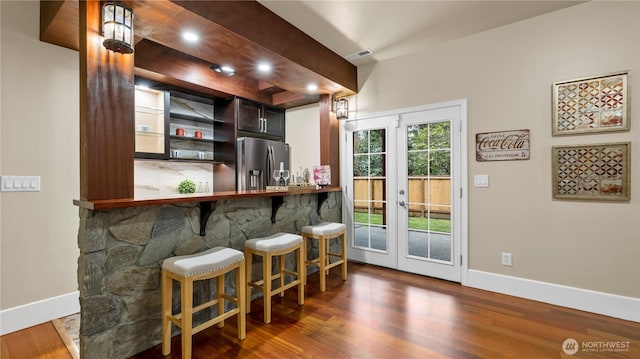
97 205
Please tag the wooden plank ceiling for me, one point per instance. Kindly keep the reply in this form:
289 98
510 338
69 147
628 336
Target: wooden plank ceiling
235 33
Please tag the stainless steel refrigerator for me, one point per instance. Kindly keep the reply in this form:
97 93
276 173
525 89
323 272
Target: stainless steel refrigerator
257 158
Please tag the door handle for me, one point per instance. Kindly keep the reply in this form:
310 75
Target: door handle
401 203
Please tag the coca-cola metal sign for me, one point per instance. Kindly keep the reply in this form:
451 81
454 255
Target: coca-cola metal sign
502 146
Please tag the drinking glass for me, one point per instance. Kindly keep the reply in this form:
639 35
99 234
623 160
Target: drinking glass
276 176
285 175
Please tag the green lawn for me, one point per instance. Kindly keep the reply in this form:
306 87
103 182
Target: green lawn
437 225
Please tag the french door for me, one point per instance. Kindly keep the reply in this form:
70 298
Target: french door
404 198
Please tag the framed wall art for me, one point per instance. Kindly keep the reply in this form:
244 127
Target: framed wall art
592 172
502 146
592 104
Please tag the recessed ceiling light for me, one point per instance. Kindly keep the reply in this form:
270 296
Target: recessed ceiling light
190 36
264 67
225 69
312 87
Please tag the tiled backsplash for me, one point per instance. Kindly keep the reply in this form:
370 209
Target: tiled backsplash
153 179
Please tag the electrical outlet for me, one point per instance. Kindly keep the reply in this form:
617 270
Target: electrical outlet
507 259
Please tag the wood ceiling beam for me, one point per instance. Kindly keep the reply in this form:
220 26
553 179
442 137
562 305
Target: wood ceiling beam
235 32
179 68
288 97
265 86
59 23
260 25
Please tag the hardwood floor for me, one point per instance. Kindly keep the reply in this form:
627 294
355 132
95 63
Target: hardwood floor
380 313
40 341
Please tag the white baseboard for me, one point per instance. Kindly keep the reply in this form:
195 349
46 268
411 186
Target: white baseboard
612 305
28 315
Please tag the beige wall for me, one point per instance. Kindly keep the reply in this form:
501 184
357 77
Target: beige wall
39 136
506 75
303 136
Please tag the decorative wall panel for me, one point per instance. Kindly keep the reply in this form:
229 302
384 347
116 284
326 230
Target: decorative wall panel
593 104
595 172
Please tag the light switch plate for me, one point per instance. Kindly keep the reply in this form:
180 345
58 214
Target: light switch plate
20 184
481 181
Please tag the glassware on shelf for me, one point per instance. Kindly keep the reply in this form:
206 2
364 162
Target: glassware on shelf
285 176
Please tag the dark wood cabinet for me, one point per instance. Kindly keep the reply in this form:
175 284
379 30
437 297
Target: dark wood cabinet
255 119
177 125
171 124
249 116
274 121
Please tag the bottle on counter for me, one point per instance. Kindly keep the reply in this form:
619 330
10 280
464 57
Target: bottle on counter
305 177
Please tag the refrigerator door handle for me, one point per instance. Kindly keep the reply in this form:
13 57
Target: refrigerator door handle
270 165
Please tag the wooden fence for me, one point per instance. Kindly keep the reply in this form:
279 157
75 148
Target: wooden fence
428 197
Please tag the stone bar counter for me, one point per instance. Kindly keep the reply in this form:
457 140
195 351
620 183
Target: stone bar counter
123 243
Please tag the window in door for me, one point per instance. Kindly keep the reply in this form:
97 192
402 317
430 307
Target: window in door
429 190
369 186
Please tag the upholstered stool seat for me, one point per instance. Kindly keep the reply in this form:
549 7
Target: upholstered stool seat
279 244
324 232
212 263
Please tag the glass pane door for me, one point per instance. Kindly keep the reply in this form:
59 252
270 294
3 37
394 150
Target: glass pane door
371 180
428 163
400 205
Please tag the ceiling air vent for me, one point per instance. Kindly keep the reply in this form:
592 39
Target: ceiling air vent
359 54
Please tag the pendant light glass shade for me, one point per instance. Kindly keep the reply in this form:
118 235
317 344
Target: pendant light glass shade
117 28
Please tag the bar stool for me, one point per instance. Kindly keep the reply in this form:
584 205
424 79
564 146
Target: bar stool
323 232
212 263
279 245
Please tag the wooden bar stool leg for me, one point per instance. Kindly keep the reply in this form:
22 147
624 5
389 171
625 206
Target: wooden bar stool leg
323 263
328 257
248 257
281 264
240 301
167 290
343 238
187 316
220 291
301 273
266 276
305 256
